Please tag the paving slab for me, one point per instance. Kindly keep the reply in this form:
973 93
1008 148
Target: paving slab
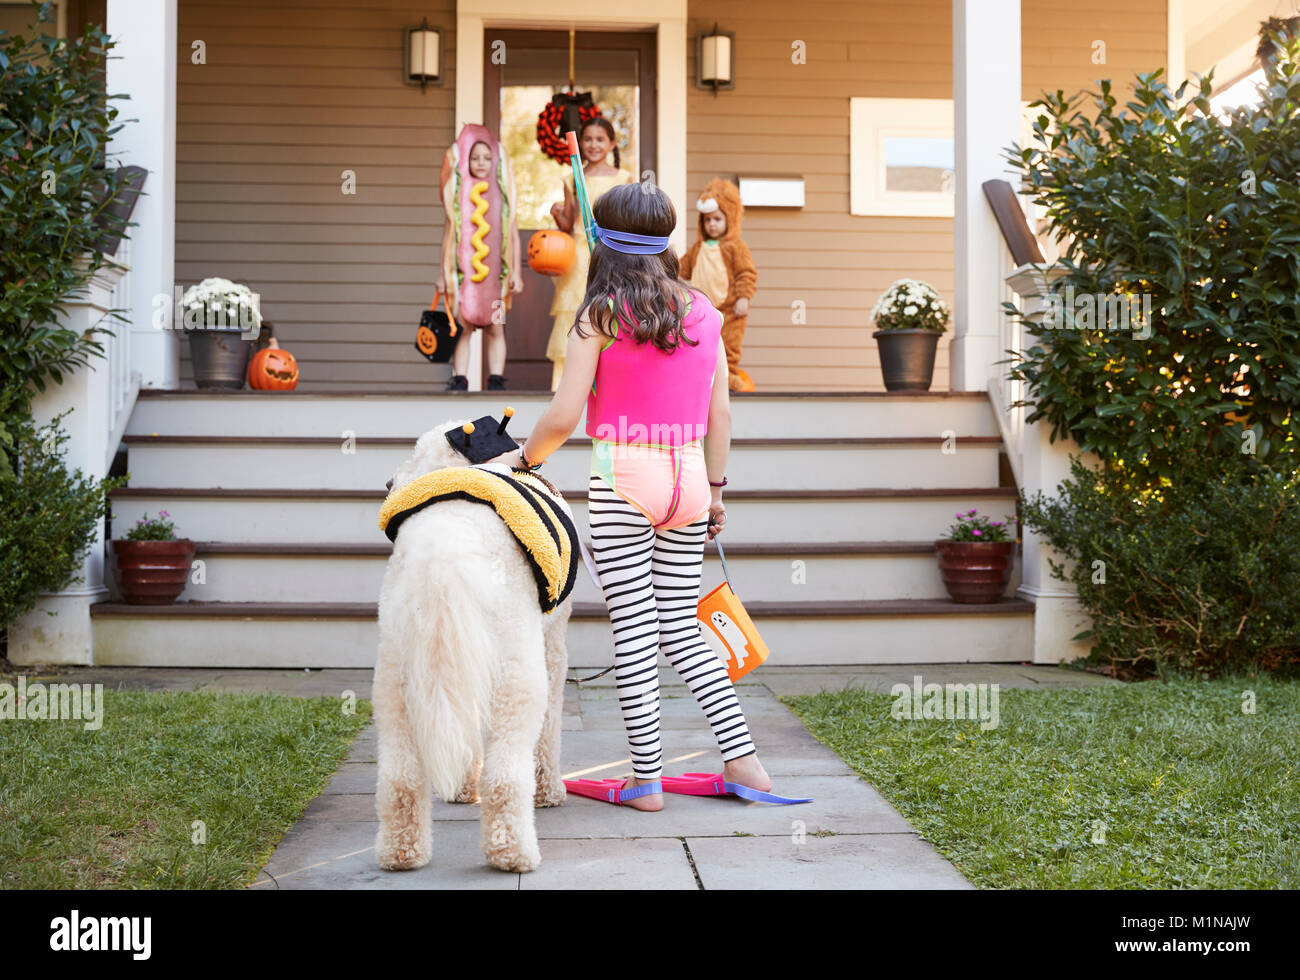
850 861
842 804
595 755
611 865
341 854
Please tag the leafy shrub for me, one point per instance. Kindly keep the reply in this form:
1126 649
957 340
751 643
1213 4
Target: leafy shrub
53 200
159 528
48 518
1162 197
1200 574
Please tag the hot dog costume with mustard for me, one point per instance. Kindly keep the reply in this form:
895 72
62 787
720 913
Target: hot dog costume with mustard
478 262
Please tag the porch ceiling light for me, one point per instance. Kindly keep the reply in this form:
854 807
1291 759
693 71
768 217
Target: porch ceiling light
715 60
423 55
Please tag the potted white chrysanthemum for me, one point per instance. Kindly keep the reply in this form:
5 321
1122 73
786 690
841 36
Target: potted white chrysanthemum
221 319
910 317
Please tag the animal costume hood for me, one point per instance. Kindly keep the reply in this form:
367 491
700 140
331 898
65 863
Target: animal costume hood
719 194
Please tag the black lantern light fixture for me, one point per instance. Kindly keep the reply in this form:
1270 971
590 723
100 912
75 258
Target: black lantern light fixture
715 60
423 55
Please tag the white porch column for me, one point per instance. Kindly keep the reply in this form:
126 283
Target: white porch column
986 118
142 65
1042 466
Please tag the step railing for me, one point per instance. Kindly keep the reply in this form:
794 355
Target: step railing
123 382
1007 394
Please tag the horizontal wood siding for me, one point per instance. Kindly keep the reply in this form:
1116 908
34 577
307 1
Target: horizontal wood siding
789 118
296 91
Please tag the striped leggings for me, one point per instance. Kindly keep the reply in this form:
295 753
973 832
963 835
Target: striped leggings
651 581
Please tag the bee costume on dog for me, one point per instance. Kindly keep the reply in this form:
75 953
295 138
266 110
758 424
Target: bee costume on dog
531 507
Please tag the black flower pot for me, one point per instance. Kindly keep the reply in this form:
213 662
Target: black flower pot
219 358
907 358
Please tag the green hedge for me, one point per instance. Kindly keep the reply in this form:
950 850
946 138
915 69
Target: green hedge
1201 575
1160 197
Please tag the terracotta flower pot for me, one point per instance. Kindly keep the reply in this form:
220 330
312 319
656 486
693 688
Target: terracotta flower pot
975 571
152 573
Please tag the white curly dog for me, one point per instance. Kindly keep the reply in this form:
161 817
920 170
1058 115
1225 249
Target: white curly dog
464 651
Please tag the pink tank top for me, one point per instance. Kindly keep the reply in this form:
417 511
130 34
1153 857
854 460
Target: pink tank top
643 395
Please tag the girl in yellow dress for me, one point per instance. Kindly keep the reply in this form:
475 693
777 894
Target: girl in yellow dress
596 140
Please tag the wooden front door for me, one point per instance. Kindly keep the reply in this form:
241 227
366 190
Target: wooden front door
522 70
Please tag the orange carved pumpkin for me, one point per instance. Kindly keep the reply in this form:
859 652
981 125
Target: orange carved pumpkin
551 252
273 369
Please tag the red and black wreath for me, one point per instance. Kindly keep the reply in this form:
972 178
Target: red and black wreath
566 111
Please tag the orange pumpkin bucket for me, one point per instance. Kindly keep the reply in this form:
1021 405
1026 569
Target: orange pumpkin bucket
728 628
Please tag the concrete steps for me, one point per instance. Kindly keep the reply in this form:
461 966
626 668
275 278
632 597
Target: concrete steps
834 506
262 462
295 515
345 573
283 635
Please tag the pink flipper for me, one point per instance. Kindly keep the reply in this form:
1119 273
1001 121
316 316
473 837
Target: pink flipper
610 790
712 784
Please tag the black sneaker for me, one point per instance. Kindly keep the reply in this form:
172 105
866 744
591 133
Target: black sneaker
458 382
496 382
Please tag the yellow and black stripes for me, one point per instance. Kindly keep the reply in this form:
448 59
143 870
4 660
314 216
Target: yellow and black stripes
544 530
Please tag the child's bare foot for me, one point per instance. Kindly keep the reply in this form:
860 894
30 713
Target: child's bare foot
748 771
651 801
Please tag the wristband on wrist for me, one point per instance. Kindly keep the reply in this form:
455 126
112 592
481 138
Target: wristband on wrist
524 460
722 484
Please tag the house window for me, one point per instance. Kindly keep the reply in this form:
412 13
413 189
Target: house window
901 157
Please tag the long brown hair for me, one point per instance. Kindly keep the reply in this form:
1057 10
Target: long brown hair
649 287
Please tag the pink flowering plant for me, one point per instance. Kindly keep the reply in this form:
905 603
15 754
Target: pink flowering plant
159 528
973 526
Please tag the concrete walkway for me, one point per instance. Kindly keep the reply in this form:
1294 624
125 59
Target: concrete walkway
848 838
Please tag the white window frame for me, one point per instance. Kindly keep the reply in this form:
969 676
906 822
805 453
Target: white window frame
871 122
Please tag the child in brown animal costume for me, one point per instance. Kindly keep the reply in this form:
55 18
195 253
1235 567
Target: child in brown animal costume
720 265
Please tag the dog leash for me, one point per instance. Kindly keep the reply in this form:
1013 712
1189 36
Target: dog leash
595 577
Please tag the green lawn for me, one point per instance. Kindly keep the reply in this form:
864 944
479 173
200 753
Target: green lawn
1145 785
116 808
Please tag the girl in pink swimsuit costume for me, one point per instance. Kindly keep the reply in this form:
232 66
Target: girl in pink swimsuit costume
652 378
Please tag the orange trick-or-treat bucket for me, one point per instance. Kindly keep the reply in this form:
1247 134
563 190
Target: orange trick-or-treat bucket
728 628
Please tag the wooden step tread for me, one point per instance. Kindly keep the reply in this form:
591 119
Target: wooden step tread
333 441
767 548
581 610
859 493
433 391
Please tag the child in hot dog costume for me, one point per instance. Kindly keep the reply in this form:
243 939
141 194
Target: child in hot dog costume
719 264
480 247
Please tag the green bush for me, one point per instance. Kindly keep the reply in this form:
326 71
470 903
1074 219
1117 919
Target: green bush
48 518
54 193
1163 197
1200 574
